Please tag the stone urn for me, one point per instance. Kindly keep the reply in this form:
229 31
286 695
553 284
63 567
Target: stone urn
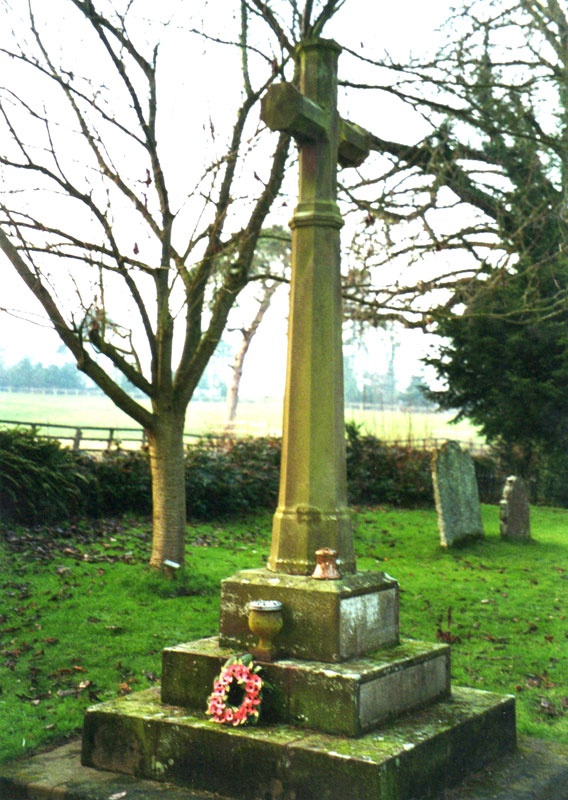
265 620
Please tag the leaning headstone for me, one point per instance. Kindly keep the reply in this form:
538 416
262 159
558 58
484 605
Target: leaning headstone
514 509
457 498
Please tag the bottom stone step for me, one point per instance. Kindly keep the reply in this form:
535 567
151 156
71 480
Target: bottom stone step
414 757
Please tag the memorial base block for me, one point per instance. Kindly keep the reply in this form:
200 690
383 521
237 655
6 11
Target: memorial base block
415 756
348 699
330 621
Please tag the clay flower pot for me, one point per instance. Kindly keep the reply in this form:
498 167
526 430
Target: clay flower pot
326 566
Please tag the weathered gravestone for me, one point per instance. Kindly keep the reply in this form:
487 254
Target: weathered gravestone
457 498
337 670
514 512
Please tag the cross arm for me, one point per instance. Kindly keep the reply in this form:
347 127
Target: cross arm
285 108
354 144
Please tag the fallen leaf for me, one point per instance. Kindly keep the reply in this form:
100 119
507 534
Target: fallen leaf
62 671
67 692
446 636
496 639
114 629
547 707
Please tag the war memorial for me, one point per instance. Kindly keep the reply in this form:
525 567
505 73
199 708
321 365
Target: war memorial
340 683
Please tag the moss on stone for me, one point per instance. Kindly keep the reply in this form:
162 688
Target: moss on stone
419 752
345 698
538 770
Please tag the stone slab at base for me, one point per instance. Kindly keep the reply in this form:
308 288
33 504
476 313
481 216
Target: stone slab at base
329 621
537 770
416 756
349 698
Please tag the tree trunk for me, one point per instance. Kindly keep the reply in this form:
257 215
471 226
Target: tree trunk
248 333
168 489
233 393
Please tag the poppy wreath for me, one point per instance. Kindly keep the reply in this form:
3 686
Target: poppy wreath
237 693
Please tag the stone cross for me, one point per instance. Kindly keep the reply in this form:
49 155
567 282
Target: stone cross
312 509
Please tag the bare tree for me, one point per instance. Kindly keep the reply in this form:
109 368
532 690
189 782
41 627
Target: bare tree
477 208
269 269
267 290
129 277
482 197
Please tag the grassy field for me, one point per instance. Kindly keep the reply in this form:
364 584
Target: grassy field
261 418
81 619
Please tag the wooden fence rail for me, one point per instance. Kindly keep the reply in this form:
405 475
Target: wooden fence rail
92 438
89 438
433 443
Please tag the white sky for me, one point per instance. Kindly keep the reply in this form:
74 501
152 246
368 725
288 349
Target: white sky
396 27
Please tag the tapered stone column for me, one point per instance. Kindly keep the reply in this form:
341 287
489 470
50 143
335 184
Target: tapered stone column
312 510
338 619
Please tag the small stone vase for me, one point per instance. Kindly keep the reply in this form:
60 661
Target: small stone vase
265 620
326 566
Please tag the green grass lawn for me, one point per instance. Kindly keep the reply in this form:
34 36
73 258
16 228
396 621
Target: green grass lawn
259 418
81 619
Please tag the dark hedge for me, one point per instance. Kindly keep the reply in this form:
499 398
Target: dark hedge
40 481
